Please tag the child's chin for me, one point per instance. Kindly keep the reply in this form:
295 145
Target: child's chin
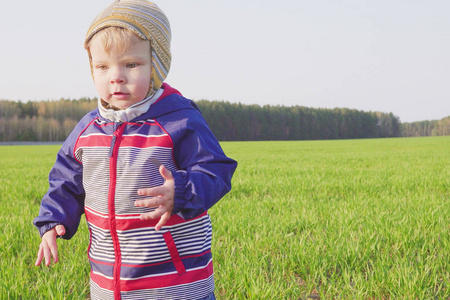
122 104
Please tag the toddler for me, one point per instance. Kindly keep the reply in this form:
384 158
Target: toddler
143 167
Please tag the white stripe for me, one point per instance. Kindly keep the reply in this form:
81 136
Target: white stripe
146 136
95 213
94 134
102 275
149 276
127 218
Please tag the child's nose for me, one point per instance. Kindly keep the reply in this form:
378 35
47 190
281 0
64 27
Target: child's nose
117 76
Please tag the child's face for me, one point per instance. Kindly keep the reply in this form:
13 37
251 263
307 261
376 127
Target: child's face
121 78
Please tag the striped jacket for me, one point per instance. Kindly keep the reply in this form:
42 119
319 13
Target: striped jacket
98 171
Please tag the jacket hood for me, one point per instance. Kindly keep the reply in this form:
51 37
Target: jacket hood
170 101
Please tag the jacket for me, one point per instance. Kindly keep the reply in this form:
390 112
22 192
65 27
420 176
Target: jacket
98 171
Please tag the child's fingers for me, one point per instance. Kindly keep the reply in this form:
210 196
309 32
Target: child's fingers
47 256
150 202
159 190
161 211
159 196
165 173
40 256
54 253
164 218
162 199
48 248
154 191
151 215
50 251
60 230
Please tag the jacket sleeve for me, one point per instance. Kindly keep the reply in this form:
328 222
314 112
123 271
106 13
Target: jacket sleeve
205 172
64 201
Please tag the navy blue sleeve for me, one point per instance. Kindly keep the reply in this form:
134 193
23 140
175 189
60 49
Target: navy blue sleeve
205 172
64 201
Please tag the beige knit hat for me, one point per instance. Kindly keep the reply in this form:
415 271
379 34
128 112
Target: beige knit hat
148 22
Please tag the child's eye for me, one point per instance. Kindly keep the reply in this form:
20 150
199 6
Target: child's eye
131 66
101 67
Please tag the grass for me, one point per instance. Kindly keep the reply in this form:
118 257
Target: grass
23 182
344 219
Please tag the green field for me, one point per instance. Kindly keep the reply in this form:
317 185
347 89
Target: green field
343 219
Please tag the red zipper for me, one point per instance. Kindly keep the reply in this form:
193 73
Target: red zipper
113 153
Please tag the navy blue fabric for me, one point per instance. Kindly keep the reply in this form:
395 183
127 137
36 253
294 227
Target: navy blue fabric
209 297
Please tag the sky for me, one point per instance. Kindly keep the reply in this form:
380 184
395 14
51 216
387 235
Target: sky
370 55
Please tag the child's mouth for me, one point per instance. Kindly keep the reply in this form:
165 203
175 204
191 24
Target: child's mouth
120 95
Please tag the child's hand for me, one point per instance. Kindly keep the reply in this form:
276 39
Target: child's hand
162 198
48 248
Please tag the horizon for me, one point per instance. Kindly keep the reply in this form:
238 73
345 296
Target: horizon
245 104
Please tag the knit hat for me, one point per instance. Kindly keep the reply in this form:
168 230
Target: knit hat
148 22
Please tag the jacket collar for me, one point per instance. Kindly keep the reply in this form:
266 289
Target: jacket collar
130 113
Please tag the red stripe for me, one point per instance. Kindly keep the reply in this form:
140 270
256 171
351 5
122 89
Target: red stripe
155 282
127 141
127 224
94 141
96 220
174 253
90 242
102 282
146 142
168 280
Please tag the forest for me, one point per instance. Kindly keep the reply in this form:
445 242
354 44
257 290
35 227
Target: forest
50 121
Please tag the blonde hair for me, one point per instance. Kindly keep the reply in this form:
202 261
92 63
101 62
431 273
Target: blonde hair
113 38
117 38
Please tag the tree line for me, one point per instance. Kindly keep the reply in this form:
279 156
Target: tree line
41 121
44 121
231 122
426 128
